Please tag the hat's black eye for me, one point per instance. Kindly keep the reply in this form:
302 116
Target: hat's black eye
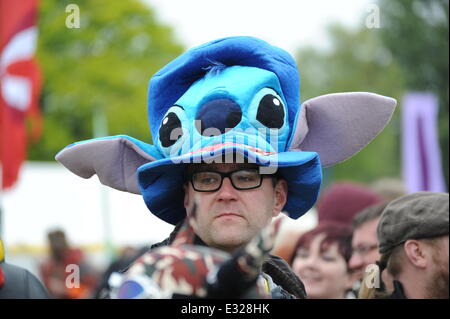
271 111
170 131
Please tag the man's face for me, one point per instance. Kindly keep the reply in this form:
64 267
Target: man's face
229 218
365 247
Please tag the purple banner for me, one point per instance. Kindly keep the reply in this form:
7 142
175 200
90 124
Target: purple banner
421 156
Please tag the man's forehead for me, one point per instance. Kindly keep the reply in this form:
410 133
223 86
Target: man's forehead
366 233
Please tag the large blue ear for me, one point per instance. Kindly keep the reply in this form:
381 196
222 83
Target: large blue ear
339 125
114 159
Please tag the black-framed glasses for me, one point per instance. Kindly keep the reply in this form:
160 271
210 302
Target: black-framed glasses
242 179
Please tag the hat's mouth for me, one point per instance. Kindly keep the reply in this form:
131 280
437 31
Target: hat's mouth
263 142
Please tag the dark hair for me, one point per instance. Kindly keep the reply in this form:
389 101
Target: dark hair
334 233
368 214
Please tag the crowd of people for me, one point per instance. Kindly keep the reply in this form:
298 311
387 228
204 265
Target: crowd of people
392 248
233 150
365 245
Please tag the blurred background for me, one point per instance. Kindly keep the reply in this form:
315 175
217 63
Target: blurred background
65 79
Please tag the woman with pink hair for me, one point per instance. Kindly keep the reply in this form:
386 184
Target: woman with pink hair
321 261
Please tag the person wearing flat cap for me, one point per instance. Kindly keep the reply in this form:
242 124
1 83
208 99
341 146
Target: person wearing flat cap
413 235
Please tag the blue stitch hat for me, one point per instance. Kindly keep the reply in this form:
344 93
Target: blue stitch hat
176 77
207 84
237 95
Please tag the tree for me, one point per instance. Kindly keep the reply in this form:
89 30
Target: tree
416 34
103 66
357 61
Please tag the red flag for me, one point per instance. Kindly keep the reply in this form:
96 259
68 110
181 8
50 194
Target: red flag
20 84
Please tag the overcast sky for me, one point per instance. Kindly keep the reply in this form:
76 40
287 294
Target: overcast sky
286 23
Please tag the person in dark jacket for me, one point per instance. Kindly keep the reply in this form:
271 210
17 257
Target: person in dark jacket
228 218
230 134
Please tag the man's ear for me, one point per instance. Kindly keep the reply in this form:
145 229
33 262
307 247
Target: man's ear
186 195
281 191
416 253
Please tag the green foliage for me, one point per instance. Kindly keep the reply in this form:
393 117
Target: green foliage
357 61
416 33
103 65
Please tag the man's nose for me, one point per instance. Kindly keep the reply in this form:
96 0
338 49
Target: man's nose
227 191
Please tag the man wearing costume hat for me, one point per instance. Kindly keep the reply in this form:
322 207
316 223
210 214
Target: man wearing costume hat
233 147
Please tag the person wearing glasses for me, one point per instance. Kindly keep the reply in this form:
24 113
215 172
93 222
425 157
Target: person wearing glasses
234 202
365 240
365 245
232 138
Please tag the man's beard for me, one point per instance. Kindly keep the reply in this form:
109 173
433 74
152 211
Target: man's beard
437 287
